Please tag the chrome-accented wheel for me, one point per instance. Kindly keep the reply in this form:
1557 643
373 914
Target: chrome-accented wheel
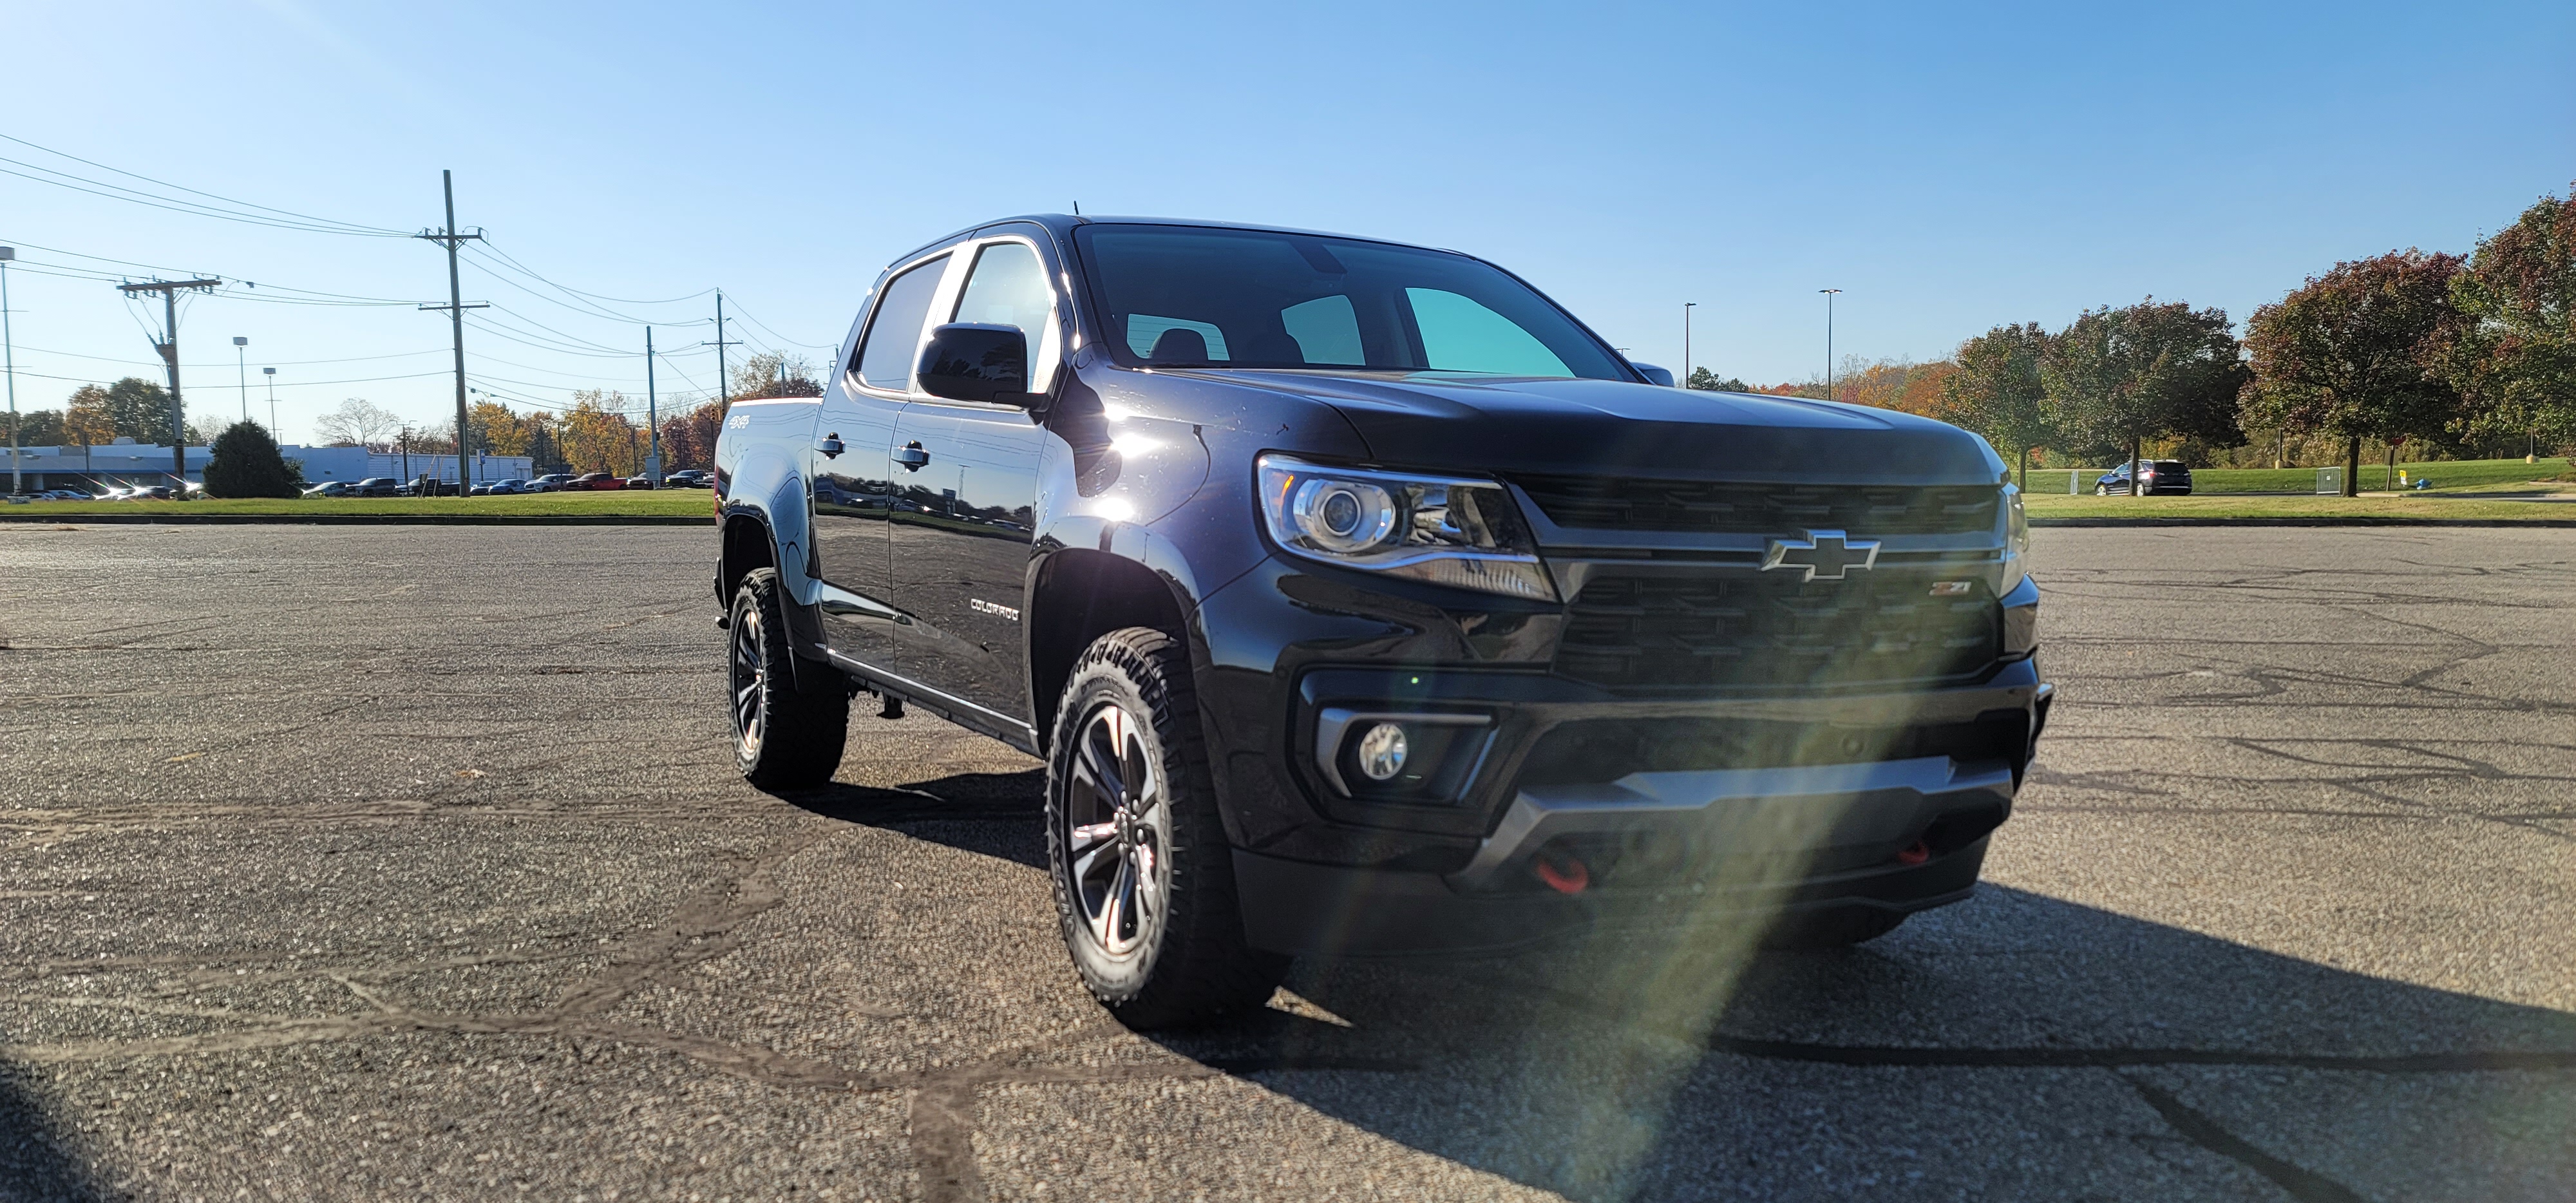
1117 830
748 677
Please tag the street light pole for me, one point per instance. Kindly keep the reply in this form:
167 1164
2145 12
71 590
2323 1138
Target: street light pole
241 371
1829 340
1687 306
271 373
9 347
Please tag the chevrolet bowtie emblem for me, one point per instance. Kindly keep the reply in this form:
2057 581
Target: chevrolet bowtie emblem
1824 555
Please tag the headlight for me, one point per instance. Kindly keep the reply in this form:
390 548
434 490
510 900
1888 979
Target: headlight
1446 530
2016 540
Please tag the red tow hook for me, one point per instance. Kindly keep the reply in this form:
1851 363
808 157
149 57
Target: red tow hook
1562 872
1915 854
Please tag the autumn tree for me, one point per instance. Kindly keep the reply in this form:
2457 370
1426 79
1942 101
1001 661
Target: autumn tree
246 463
85 417
774 374
689 439
544 454
496 429
2118 377
2355 354
2514 353
1997 391
138 409
596 435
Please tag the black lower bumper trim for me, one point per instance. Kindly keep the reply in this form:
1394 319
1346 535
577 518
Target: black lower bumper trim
1329 910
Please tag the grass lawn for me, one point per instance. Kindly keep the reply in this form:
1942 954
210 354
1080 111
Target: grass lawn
2466 504
693 503
2446 474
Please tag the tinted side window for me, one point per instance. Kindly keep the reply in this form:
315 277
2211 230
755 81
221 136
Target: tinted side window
1008 288
1459 335
894 333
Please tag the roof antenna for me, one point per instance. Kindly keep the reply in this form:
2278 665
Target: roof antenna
1077 208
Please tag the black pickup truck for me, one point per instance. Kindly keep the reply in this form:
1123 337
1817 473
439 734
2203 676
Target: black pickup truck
1360 600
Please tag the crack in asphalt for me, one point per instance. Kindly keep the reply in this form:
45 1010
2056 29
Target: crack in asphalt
2303 1185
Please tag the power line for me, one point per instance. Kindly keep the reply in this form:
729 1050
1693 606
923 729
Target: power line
344 227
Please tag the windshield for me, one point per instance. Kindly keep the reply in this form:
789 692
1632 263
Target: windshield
1195 296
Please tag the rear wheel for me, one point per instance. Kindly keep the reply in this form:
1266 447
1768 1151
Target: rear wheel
784 738
1144 880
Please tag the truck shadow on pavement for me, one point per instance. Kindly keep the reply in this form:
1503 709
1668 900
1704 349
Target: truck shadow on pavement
39 1160
1933 1061
2015 1045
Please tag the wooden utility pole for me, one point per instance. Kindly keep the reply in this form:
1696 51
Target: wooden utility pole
456 308
168 346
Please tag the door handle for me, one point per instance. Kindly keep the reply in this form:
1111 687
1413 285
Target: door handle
830 446
912 457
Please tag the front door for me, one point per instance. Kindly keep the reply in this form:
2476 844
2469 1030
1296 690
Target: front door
966 503
852 473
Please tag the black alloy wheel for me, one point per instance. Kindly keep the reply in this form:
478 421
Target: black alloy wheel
1117 830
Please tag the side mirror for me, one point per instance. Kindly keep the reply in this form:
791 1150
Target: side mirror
1653 374
965 361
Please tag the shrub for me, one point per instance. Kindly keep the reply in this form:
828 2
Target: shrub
246 464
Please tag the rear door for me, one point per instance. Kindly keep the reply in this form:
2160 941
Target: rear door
851 473
966 509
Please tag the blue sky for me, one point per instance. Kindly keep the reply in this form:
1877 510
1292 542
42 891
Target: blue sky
1949 168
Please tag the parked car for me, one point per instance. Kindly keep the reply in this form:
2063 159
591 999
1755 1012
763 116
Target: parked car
595 480
501 488
686 478
375 486
1359 599
329 488
2168 476
550 482
149 493
639 482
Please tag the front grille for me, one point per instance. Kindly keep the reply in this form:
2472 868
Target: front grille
1769 509
1727 629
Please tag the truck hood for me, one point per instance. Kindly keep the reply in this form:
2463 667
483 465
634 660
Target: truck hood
1506 424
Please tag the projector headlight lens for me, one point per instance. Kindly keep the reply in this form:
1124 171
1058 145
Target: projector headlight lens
1454 531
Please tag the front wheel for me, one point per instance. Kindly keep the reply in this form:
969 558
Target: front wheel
1144 880
784 738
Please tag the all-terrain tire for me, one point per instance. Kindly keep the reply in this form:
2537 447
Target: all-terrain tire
1175 954
785 738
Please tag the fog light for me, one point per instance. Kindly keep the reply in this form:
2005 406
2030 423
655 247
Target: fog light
1381 751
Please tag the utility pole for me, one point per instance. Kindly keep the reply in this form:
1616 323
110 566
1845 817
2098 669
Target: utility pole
455 308
1687 306
9 347
241 371
168 346
1829 340
271 373
724 384
652 415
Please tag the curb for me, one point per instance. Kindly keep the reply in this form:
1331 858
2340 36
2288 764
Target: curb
2354 520
39 516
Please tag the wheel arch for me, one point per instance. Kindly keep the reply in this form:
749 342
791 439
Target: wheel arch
1078 595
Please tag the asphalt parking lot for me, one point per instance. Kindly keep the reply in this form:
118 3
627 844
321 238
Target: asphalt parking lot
402 862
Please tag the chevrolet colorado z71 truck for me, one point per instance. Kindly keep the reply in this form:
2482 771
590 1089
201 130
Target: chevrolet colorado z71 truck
1360 600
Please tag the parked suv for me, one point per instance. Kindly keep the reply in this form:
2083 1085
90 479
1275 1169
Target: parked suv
1361 600
2153 476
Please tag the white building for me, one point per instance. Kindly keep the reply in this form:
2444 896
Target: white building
126 462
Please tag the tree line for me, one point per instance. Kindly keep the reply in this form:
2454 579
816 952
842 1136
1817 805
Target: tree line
2442 351
601 431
